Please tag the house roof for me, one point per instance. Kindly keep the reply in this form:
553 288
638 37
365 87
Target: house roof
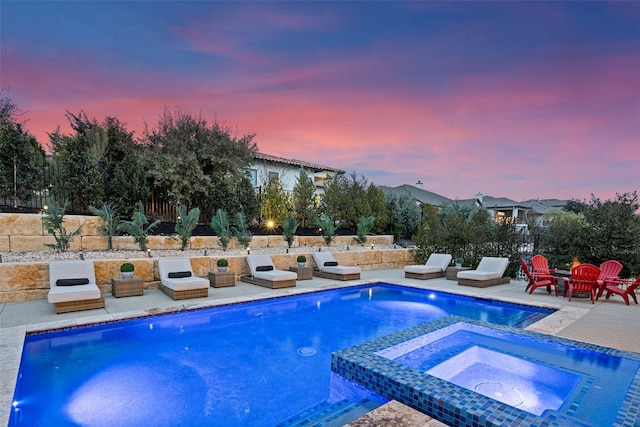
293 162
546 205
422 196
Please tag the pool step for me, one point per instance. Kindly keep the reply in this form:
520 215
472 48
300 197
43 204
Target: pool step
331 414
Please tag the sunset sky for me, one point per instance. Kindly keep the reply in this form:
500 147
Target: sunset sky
511 99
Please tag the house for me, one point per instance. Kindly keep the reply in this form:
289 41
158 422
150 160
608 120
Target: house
420 195
266 167
532 211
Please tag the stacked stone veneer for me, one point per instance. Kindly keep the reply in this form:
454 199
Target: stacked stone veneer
30 281
24 232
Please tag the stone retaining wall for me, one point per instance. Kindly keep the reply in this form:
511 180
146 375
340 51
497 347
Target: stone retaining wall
24 233
30 281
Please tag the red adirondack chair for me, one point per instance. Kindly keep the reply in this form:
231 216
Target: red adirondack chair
613 287
609 271
536 281
584 278
540 270
540 264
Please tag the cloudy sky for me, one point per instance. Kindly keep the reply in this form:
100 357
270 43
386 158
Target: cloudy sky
517 99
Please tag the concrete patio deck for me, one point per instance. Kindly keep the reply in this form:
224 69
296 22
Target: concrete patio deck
609 323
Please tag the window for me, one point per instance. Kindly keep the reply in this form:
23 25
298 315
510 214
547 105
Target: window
272 176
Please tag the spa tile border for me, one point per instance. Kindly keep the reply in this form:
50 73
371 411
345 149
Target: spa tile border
455 405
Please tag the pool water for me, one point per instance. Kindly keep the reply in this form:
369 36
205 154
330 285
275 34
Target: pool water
253 364
530 379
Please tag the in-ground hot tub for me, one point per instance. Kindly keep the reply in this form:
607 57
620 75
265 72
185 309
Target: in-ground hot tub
462 371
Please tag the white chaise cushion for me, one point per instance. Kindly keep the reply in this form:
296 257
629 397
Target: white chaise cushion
72 270
172 265
489 268
435 263
322 257
255 261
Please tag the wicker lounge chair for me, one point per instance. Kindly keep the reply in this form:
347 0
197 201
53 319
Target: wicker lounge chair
488 273
72 286
264 273
178 282
328 267
435 266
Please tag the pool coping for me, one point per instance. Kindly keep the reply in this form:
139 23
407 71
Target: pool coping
12 338
450 403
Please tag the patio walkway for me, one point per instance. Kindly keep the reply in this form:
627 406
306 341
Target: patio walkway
609 323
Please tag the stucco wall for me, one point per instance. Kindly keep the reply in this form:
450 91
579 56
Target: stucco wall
30 281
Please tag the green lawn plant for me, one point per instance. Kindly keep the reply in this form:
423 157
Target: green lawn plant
220 225
364 227
185 223
110 219
53 222
138 227
289 228
241 230
327 227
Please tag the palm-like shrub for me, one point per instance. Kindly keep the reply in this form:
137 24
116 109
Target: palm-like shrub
364 227
110 219
241 230
138 227
220 225
327 227
185 223
53 222
289 228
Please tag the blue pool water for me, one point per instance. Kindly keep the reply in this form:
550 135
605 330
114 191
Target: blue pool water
470 373
253 364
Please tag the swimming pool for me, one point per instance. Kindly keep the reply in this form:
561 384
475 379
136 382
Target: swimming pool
257 364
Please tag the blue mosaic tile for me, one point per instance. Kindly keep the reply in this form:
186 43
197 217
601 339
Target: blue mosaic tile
456 405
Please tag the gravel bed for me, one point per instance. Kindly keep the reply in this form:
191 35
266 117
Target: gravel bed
48 255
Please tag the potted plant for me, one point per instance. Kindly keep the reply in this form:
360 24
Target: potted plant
301 260
126 270
222 265
459 262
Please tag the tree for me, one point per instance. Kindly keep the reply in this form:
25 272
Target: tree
247 200
303 201
20 156
405 214
275 203
191 157
20 163
381 212
596 231
345 200
75 155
